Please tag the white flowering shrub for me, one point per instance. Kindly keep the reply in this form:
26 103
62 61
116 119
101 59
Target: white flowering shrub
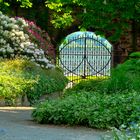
14 42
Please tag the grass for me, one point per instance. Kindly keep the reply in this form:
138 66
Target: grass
77 79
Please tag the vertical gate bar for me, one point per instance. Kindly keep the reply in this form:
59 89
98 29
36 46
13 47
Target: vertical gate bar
112 58
63 56
85 58
96 56
68 58
75 46
101 60
91 56
93 49
98 52
70 61
76 59
64 51
73 50
81 68
73 57
104 61
88 56
76 56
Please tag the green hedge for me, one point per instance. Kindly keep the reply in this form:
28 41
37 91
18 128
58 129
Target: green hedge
91 109
20 77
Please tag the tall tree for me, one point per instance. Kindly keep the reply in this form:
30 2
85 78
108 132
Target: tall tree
113 17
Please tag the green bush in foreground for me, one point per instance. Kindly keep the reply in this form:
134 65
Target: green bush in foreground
19 77
90 109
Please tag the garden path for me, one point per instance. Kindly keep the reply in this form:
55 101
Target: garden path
16 124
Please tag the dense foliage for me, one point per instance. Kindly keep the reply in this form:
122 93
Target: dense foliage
98 103
99 14
90 109
19 77
22 3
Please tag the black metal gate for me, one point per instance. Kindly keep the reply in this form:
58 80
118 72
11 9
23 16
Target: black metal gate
83 55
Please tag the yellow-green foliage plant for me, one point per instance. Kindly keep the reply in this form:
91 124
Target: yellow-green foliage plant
22 77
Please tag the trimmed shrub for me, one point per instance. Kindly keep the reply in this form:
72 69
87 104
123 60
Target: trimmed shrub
91 109
19 77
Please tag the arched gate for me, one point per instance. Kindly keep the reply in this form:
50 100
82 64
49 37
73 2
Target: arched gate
83 55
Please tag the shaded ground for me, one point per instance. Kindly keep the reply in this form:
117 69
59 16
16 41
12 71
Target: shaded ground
17 124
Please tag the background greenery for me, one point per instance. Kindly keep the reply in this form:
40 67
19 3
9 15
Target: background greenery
19 77
59 18
90 109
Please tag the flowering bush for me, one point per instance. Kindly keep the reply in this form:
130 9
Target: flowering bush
14 41
40 37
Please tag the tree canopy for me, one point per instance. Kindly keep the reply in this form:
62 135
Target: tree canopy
112 18
22 3
105 16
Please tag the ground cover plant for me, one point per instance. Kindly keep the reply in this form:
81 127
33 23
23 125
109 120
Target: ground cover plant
90 109
22 77
98 103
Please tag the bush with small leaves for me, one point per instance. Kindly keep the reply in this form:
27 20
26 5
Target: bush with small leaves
91 109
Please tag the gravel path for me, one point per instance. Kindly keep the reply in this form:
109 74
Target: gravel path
17 124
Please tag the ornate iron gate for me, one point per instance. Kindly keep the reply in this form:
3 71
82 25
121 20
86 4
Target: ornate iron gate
83 55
